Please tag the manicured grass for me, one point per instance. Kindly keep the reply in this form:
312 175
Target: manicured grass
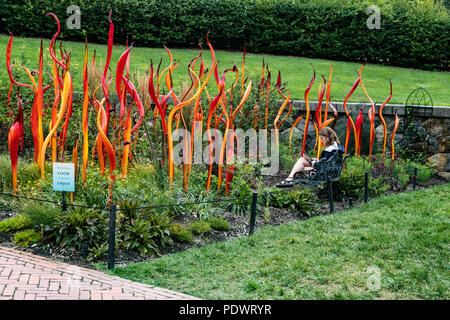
405 236
295 70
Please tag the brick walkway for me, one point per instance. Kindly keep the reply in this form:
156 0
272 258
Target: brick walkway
24 276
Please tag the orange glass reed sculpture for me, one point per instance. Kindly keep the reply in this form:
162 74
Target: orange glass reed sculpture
380 112
358 127
305 132
280 111
84 117
394 131
371 114
67 85
38 89
13 145
349 119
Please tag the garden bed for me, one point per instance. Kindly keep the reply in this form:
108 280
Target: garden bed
239 227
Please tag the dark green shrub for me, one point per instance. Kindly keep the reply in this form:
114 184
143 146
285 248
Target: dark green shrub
377 186
79 225
160 224
199 227
302 201
299 200
380 171
411 35
128 211
139 230
352 178
241 193
383 173
424 172
138 235
220 224
26 237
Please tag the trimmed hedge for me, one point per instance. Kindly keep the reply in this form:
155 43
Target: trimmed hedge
410 36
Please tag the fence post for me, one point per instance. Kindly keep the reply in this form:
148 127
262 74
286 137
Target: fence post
63 201
253 213
85 249
414 178
112 236
366 187
330 194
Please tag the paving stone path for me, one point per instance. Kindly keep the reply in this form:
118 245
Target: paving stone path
24 276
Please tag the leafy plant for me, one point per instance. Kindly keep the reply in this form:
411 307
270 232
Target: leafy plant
78 225
142 230
352 178
26 237
424 172
160 224
139 177
27 173
242 192
40 213
377 186
17 222
402 179
301 201
203 209
95 193
138 235
199 227
138 230
98 251
287 161
128 211
220 224
181 233
380 172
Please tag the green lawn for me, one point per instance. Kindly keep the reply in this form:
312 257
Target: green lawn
405 237
296 71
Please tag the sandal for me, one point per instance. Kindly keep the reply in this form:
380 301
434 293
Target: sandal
285 184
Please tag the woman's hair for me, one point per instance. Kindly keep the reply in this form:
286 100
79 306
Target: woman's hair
330 134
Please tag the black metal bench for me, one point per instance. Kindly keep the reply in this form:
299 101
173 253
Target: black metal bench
324 171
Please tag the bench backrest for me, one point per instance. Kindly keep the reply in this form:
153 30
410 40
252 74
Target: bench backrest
331 168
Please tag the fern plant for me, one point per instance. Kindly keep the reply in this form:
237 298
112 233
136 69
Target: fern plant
138 235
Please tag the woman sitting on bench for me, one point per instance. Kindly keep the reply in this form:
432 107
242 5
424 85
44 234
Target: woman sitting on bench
332 145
